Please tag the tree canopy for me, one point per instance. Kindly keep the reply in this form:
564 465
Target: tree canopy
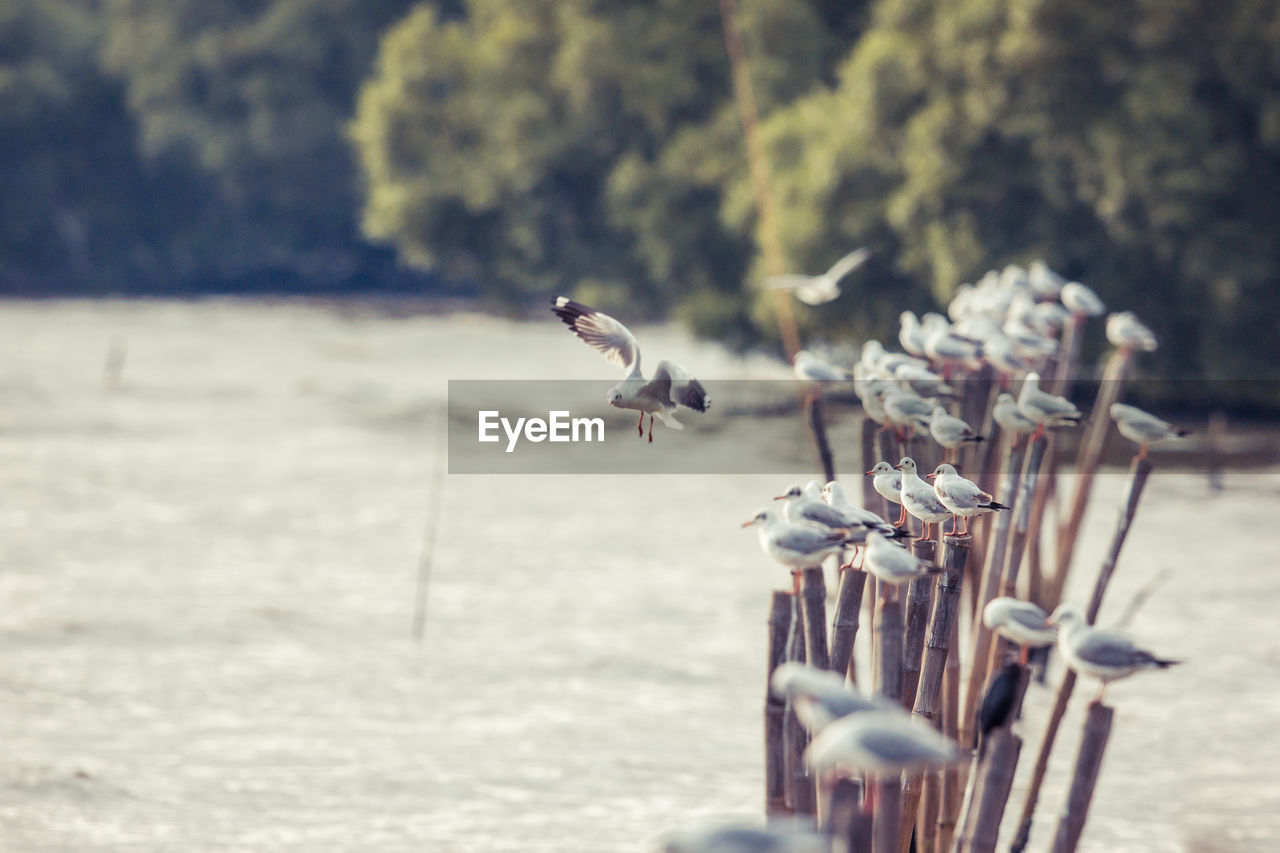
594 147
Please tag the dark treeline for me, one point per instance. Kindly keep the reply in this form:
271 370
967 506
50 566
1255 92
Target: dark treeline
513 149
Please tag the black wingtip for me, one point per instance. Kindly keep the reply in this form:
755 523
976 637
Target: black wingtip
997 505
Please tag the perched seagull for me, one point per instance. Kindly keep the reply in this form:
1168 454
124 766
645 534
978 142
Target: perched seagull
797 546
911 334
922 380
906 411
1045 409
950 431
1019 622
1126 331
1104 655
962 497
998 701
894 564
919 498
861 522
813 371
880 742
944 346
671 384
806 504
1142 428
887 481
871 394
1045 283
819 289
1081 301
1010 418
820 696
1003 354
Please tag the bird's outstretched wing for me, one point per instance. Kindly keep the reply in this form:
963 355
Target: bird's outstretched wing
600 331
787 282
848 263
681 386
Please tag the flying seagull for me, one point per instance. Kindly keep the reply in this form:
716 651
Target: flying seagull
671 385
819 289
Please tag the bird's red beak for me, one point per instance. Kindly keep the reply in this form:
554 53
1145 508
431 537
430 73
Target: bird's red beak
868 472
748 522
897 467
781 497
930 476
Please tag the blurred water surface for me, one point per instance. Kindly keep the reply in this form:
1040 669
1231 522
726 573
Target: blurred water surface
206 588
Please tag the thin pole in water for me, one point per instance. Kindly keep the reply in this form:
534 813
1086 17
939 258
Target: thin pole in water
427 556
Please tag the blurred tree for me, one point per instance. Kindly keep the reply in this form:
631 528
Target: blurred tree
253 96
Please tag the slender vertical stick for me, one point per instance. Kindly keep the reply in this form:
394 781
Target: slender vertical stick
1090 454
775 797
815 618
889 671
844 625
927 703
988 589
799 785
949 777
850 825
1097 730
980 826
918 599
871 500
435 501
818 428
1138 473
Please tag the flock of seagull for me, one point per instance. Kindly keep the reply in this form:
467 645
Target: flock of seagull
1010 322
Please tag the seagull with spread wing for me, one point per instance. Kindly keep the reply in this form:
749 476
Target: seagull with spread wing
819 289
671 386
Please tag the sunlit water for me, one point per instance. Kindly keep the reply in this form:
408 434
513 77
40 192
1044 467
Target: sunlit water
207 586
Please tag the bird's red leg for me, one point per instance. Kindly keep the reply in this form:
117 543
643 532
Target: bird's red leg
795 582
651 427
1142 452
640 426
902 515
1035 436
1025 655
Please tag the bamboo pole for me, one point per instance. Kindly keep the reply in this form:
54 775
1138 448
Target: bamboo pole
1090 454
927 700
818 427
1097 730
889 627
844 624
799 786
871 499
993 780
919 596
990 583
814 593
850 824
1138 473
949 806
775 797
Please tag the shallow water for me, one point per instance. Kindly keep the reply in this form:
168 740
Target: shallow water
208 578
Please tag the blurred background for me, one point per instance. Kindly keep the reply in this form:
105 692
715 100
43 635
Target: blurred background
505 151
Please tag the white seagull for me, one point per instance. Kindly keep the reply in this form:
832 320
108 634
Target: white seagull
919 498
797 546
1047 410
819 289
813 371
1101 654
1143 428
887 481
820 696
894 564
961 496
1010 418
950 431
1081 301
879 743
1126 331
1019 622
670 386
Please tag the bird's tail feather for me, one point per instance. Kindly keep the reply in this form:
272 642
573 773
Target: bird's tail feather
669 420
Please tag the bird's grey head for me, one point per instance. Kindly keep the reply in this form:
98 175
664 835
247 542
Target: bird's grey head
761 516
793 491
943 469
614 397
906 464
813 489
830 489
881 468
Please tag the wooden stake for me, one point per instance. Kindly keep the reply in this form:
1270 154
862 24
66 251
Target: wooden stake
799 786
889 677
919 595
815 618
844 625
1138 473
1090 454
850 824
775 797
993 779
927 703
1097 730
818 428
